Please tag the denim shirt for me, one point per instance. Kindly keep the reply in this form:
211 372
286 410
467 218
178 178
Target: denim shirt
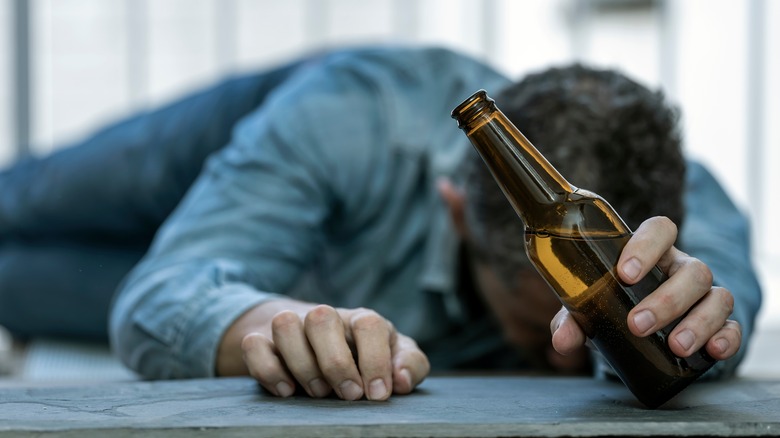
326 193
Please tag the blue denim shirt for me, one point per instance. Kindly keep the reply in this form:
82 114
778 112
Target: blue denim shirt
326 193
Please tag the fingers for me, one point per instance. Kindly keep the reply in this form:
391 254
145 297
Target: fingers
264 365
324 329
651 244
410 365
350 352
707 324
567 336
373 336
687 291
689 281
726 341
290 340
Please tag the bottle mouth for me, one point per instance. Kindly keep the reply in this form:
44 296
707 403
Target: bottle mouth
472 107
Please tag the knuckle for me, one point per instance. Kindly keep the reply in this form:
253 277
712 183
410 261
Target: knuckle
423 360
261 373
696 321
727 299
662 223
284 320
668 224
667 301
336 364
252 342
263 366
418 359
320 314
701 271
368 321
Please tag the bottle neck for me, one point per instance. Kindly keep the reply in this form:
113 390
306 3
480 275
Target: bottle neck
527 179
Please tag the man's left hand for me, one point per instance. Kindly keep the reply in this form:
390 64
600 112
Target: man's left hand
688 289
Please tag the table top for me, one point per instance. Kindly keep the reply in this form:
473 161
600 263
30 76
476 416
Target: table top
474 406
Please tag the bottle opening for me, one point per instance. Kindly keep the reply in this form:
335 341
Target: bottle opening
472 107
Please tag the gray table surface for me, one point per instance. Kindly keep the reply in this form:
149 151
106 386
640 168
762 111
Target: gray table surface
442 406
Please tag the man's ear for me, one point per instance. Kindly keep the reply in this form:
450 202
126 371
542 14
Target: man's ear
456 203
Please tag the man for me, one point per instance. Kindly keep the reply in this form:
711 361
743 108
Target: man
326 244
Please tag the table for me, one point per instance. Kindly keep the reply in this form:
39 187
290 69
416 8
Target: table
476 406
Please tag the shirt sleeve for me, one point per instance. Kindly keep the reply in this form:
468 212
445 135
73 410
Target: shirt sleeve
717 233
327 155
244 232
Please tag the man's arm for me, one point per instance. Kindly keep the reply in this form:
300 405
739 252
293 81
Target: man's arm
251 224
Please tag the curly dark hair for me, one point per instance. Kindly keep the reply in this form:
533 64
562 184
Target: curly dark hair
604 132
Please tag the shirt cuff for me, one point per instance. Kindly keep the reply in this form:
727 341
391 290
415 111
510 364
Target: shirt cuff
211 317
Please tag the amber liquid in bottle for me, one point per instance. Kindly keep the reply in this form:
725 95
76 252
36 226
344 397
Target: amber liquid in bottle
574 239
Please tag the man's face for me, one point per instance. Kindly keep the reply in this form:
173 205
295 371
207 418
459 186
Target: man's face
524 309
524 306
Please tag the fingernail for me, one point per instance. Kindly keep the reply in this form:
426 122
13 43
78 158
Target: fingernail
558 323
632 268
350 390
319 388
722 345
686 339
644 321
406 376
283 389
377 389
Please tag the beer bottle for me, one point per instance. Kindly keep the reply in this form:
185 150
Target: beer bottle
574 238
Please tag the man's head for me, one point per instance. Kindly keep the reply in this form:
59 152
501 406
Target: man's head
604 133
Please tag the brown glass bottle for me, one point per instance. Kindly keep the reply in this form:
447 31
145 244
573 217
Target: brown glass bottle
574 239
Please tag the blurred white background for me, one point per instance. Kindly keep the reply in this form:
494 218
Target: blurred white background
69 66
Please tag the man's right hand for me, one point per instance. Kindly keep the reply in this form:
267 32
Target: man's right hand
353 352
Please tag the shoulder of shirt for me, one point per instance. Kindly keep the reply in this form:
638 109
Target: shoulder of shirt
398 53
410 63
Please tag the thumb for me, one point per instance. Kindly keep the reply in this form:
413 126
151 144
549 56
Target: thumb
567 335
410 365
